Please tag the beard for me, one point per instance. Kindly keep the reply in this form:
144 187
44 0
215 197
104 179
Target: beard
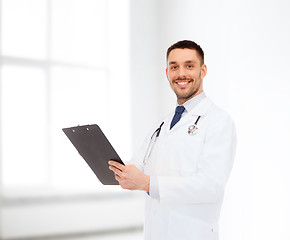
185 94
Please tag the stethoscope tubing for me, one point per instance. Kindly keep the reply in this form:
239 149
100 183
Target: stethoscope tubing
156 134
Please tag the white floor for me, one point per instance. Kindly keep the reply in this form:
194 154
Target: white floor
120 236
133 235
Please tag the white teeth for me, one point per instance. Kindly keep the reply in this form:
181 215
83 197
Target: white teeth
182 83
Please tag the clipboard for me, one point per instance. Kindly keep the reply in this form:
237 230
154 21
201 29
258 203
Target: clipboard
96 150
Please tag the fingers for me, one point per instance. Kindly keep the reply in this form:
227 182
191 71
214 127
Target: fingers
116 165
120 172
116 170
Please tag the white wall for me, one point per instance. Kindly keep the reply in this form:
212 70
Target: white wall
246 46
144 66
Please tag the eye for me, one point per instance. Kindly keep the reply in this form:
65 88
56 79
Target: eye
173 67
189 66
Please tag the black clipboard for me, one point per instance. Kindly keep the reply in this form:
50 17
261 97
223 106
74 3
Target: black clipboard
96 150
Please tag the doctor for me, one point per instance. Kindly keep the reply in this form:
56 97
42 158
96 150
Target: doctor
184 164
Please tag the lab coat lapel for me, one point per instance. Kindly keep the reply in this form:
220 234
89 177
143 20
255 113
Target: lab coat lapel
200 109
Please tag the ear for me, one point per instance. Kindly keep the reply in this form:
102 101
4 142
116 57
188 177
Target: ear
203 71
167 73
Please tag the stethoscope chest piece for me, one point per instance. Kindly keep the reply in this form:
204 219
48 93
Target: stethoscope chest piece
192 129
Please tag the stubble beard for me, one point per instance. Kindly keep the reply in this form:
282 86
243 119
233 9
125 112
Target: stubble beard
190 94
186 96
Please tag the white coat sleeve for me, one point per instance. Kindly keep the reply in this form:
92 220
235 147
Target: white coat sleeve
207 184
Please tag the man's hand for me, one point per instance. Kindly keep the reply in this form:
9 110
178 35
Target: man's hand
130 177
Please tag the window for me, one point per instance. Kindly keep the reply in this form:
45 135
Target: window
56 71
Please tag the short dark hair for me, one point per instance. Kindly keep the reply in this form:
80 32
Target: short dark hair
187 44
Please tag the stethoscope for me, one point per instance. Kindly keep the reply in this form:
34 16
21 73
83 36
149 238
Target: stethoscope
192 130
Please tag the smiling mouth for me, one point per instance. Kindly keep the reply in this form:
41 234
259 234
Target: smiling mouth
183 83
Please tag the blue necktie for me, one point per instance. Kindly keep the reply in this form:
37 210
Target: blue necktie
178 112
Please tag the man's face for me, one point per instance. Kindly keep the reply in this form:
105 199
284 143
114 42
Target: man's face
185 73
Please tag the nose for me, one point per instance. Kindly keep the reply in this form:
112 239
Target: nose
181 73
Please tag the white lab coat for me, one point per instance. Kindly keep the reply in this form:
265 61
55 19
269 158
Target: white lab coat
191 173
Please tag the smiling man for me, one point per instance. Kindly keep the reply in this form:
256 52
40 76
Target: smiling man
184 164
185 72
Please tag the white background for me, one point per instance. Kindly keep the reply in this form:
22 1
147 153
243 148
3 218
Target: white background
246 45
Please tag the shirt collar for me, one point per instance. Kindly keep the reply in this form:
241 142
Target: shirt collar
191 103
